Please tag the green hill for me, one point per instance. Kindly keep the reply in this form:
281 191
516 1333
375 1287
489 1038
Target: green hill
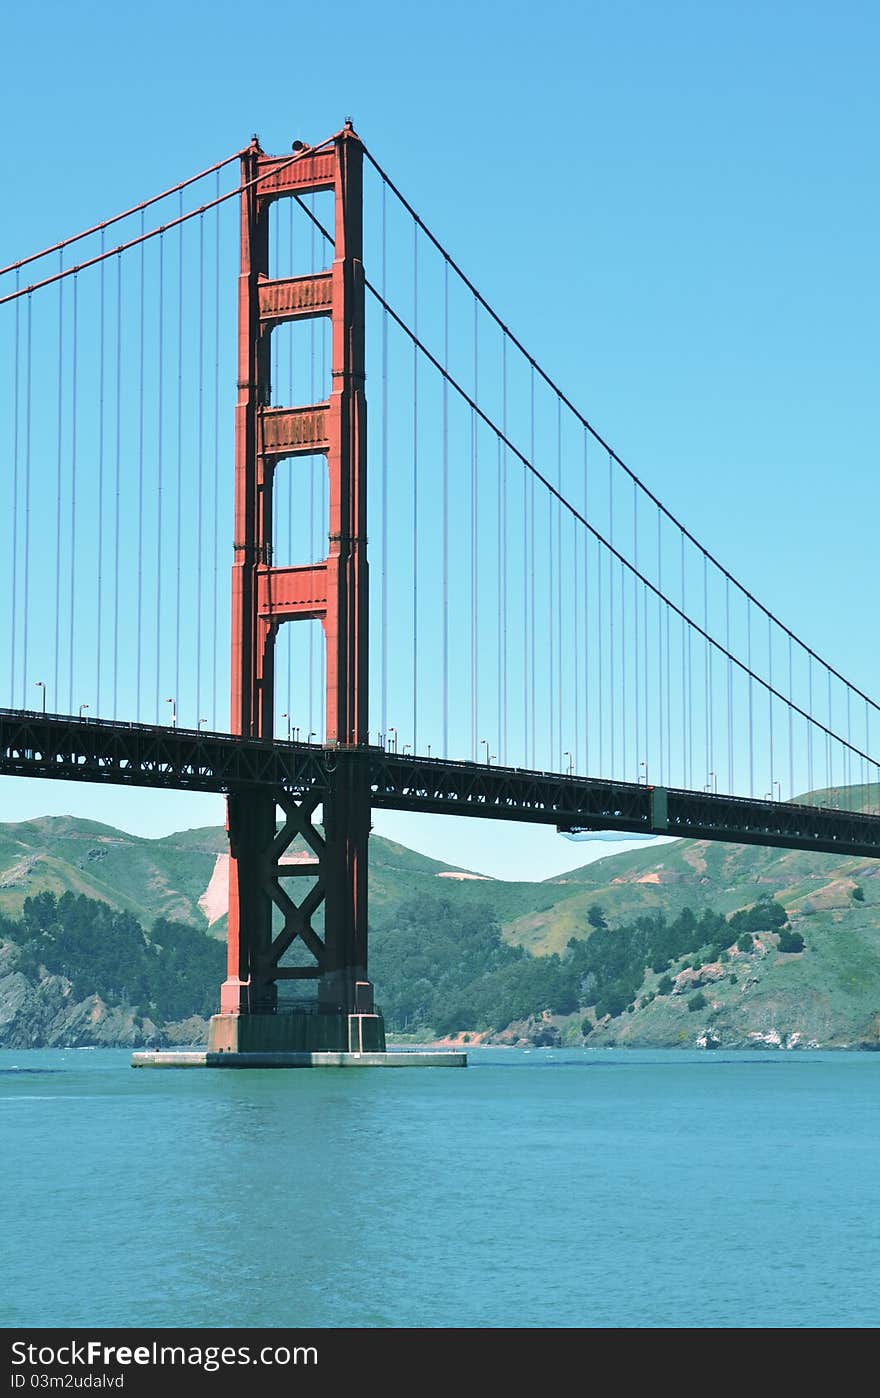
456 953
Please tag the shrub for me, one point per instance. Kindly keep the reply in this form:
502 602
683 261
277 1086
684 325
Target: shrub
586 1027
790 941
858 893
697 1002
732 979
746 942
665 985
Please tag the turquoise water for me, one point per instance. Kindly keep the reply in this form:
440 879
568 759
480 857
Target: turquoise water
604 1188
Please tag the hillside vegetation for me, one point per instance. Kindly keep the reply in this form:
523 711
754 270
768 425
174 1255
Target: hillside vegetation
686 942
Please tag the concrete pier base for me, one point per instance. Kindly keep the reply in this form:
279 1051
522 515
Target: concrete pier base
298 1032
203 1058
301 1039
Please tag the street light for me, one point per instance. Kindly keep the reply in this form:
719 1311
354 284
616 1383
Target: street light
778 786
713 779
311 736
201 721
645 765
296 734
82 707
406 748
570 768
173 703
394 731
484 743
287 716
38 684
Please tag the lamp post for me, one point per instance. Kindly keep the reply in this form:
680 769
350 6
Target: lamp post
484 743
394 731
570 768
173 703
778 786
201 721
82 709
287 716
645 766
38 684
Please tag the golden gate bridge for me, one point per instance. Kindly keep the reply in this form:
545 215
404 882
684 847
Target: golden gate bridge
535 636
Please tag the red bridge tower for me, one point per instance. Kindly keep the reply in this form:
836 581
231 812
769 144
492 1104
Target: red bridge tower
264 597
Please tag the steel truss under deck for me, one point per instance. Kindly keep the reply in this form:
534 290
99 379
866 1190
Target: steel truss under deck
69 749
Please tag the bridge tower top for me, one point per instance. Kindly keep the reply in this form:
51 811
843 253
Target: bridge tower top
335 591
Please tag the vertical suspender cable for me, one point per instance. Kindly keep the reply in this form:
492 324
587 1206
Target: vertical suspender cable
499 644
791 721
730 776
587 694
559 591
828 768
73 473
684 690
14 560
216 499
445 620
27 504
160 404
646 687
624 732
383 705
291 400
710 758
611 676
751 701
200 466
524 630
600 652
324 539
770 702
312 541
415 494
55 682
810 725
637 640
663 698
551 758
100 548
531 618
576 575
475 593
179 502
117 478
140 498
502 546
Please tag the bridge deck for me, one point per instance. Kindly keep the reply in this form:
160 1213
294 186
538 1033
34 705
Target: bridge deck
128 754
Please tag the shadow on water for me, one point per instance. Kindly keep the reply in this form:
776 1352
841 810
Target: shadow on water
29 1072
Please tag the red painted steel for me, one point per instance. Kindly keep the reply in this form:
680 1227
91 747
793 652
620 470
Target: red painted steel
334 591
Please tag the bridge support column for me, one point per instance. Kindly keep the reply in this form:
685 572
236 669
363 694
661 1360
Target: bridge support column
265 597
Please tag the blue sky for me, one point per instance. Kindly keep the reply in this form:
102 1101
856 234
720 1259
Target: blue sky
675 207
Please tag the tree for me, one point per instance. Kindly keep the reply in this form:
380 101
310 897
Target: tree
790 941
596 918
697 1002
665 985
858 893
746 942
